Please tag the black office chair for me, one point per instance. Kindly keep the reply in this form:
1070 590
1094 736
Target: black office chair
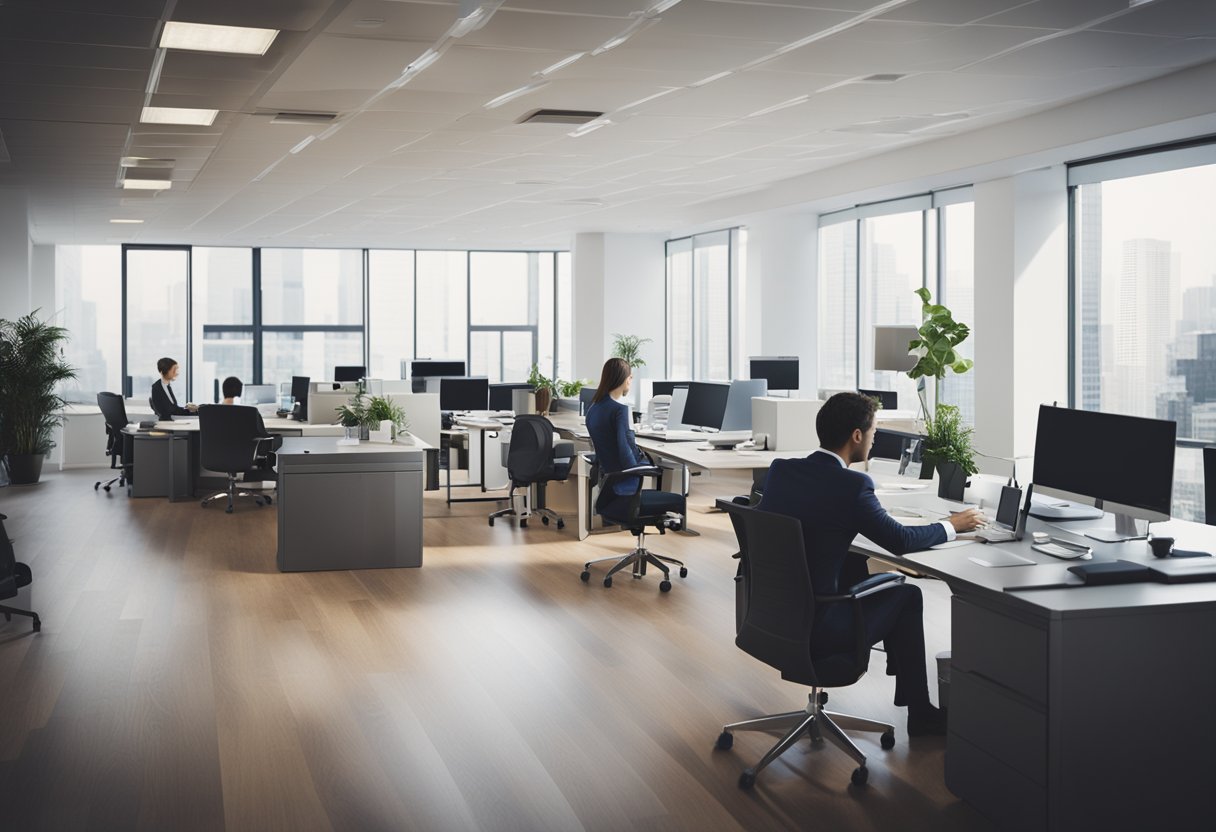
115 414
533 459
636 521
13 576
1209 485
777 627
230 442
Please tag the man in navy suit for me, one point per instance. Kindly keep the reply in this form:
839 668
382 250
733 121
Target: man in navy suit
835 504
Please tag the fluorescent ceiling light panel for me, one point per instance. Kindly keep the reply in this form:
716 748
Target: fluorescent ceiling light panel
661 6
647 99
589 126
144 162
126 222
638 24
206 37
516 93
178 115
422 62
793 102
147 184
712 78
562 64
302 145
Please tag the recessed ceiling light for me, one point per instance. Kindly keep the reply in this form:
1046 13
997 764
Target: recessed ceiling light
515 93
206 37
562 64
147 184
370 23
178 115
144 162
126 222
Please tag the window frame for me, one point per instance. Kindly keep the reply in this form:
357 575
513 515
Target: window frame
732 284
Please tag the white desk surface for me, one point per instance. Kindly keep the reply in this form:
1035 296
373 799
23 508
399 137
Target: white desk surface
273 425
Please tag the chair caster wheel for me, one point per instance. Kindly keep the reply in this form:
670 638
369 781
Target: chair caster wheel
607 581
823 697
664 586
683 571
228 510
203 504
544 520
747 779
561 524
37 625
97 485
269 501
584 576
726 741
523 524
107 489
491 522
887 740
860 776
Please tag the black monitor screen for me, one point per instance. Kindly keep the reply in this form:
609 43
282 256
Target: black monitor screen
299 392
349 373
781 372
888 445
464 393
664 388
887 399
423 369
584 398
706 404
502 395
1119 459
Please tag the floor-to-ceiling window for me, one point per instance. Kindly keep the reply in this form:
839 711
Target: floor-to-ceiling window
700 296
443 291
1144 282
872 259
390 312
156 283
221 318
88 303
504 313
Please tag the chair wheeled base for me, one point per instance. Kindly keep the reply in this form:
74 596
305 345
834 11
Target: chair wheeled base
545 514
121 479
9 612
815 722
232 494
638 559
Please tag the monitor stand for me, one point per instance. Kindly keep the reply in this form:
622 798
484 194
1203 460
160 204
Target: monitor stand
1126 528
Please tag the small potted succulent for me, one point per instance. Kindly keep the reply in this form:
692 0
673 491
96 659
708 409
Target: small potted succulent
543 388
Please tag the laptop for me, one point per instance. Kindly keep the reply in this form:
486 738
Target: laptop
1010 523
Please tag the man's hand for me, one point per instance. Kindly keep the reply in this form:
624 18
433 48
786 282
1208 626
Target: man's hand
192 407
966 521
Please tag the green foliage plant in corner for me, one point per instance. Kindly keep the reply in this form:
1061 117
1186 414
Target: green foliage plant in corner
629 347
32 371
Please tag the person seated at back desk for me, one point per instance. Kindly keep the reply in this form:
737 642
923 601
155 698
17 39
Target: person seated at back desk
615 449
164 403
231 388
835 504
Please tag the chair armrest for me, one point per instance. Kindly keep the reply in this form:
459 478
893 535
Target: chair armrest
637 471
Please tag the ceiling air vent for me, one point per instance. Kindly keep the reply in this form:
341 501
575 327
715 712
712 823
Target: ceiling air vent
559 117
882 78
303 118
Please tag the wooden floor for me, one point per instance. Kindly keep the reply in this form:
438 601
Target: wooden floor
180 682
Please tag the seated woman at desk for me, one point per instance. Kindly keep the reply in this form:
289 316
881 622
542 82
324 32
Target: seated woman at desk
608 421
163 401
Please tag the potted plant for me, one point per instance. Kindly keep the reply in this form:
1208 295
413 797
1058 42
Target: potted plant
543 387
629 347
353 417
382 409
570 389
947 448
32 368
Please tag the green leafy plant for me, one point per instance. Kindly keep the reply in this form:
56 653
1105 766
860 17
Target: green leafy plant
935 346
629 347
354 414
569 389
32 369
541 382
948 440
380 408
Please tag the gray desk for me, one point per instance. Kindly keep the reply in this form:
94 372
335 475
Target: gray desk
349 506
1083 708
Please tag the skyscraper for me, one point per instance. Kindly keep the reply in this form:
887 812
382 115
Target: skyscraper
1149 300
1089 267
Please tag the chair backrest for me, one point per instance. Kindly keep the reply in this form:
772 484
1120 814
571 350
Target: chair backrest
8 564
114 410
735 509
530 455
780 601
1209 485
228 437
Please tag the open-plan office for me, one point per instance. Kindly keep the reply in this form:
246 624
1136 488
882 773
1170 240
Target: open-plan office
917 306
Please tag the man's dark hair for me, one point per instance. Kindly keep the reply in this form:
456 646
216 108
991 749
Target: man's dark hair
232 387
164 365
841 415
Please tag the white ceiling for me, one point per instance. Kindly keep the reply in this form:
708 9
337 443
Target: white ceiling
428 165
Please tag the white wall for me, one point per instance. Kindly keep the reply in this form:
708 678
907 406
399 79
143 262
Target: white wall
619 287
15 255
42 280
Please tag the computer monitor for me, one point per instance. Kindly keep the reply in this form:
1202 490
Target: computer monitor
464 393
706 404
258 394
1127 462
664 388
425 369
299 392
738 412
502 395
891 348
349 373
584 399
887 399
889 444
780 371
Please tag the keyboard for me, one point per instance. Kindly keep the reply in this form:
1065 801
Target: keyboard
994 534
